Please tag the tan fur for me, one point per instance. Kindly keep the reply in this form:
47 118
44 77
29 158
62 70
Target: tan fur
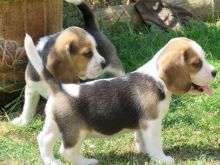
62 107
80 62
143 124
150 113
177 62
62 102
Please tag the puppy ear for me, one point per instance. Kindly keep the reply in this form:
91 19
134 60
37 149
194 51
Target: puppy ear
173 71
72 48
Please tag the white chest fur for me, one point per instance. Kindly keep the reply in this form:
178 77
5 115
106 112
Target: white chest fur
39 87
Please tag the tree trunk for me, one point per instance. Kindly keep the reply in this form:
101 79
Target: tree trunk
17 17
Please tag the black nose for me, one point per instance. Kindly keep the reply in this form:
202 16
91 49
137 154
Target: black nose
214 73
103 65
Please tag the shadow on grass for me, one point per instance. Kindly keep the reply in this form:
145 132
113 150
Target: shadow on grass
114 158
193 152
179 153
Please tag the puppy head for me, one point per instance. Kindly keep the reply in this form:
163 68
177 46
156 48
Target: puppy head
183 68
75 56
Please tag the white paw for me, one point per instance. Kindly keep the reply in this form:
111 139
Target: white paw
85 161
141 148
92 161
163 159
19 121
52 162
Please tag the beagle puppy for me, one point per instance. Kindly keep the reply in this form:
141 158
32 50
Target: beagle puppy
69 55
104 45
69 69
136 101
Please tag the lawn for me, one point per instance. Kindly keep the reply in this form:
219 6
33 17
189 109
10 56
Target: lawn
191 129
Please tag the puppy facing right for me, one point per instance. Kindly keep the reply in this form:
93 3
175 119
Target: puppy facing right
104 45
136 101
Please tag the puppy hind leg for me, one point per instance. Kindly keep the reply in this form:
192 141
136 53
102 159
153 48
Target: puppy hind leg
30 104
46 140
72 153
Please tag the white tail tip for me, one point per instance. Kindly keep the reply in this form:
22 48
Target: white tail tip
28 40
32 54
75 2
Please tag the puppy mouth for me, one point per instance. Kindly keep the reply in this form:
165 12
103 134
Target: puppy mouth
206 89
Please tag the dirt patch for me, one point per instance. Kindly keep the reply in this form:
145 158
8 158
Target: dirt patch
3 129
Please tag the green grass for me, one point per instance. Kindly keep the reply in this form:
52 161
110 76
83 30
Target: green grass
191 130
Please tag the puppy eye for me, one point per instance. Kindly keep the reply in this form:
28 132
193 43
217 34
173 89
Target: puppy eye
88 54
197 64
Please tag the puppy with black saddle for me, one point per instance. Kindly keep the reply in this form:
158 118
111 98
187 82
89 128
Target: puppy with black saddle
136 101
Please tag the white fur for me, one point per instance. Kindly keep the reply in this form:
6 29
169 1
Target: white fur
48 136
95 81
204 76
150 68
149 140
40 87
94 68
71 89
198 49
153 142
124 78
75 2
32 54
42 42
30 104
33 90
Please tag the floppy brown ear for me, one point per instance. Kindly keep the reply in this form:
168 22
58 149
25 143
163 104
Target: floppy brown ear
72 48
61 67
173 71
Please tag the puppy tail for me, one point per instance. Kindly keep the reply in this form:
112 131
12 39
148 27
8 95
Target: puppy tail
88 16
75 2
38 65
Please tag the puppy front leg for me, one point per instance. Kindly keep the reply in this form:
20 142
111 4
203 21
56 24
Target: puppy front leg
30 104
153 142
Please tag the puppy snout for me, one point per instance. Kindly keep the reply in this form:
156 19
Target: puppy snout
103 64
214 73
